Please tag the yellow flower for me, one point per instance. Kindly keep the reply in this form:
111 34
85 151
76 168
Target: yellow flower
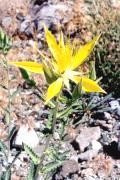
62 67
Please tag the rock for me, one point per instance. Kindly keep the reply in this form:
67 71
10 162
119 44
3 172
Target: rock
69 167
50 14
114 104
27 136
87 155
115 3
118 111
6 22
96 145
107 116
27 27
86 136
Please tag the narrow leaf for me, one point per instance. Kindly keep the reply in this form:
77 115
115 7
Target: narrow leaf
34 157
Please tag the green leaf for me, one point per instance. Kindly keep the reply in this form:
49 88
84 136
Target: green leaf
51 166
92 73
6 175
5 43
34 157
49 74
3 148
31 173
12 132
17 91
27 78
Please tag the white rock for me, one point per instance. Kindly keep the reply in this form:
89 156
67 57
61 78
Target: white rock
96 145
114 104
27 136
18 163
107 116
86 136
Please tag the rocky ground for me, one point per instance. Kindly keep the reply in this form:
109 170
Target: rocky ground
93 144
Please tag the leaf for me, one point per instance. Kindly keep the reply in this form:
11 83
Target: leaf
49 74
34 157
54 89
92 71
12 133
26 77
31 173
6 175
51 166
3 148
29 66
5 43
15 93
24 74
83 53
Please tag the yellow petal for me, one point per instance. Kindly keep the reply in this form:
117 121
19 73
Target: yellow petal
54 48
88 85
54 89
58 50
83 53
29 66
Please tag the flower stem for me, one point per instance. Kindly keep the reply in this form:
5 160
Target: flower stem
49 137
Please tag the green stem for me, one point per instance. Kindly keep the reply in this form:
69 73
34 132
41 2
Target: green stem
9 101
49 137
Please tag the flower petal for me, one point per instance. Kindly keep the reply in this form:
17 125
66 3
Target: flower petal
88 85
54 89
55 49
60 51
29 66
83 53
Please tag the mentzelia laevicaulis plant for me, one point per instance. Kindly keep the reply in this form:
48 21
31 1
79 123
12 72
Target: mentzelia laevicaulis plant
63 66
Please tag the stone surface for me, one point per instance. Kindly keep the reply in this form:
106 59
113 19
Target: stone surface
114 104
87 155
86 136
96 145
69 167
27 136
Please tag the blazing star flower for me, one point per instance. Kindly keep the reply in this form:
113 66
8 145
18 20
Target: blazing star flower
63 66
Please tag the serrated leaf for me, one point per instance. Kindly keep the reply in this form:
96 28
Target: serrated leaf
51 166
34 157
31 173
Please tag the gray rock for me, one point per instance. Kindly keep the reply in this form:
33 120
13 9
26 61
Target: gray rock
114 104
118 111
69 167
86 136
50 14
27 26
6 22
